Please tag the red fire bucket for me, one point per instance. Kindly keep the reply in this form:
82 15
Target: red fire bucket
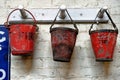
103 42
63 41
22 36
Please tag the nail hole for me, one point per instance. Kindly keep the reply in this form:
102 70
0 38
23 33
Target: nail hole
81 14
43 14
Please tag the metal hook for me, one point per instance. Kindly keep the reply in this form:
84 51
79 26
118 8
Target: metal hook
62 11
101 13
22 11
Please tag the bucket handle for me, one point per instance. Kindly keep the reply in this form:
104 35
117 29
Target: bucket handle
114 25
75 26
6 23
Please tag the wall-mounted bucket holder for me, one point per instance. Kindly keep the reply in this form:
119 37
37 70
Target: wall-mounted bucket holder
63 40
22 36
103 41
61 35
46 16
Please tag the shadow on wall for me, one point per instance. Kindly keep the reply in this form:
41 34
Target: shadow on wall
27 60
28 63
83 64
97 68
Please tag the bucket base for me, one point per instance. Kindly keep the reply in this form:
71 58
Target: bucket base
22 53
104 60
61 60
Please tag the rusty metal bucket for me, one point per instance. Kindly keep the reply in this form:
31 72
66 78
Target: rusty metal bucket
63 41
22 36
103 42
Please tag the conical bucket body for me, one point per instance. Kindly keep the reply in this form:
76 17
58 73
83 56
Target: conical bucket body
63 42
22 39
103 43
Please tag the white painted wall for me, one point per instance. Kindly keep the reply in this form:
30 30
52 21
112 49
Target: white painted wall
83 65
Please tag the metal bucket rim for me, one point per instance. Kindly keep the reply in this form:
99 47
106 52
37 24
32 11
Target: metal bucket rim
103 30
103 60
32 25
63 28
22 24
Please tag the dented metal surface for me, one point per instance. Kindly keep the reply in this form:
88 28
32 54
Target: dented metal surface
63 42
22 35
22 39
103 43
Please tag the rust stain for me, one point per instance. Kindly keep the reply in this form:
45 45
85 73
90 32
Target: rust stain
63 42
103 44
22 38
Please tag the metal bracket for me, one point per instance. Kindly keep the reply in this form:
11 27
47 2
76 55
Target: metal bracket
62 12
102 11
46 16
23 13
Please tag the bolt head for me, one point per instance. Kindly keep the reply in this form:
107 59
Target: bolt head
62 7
